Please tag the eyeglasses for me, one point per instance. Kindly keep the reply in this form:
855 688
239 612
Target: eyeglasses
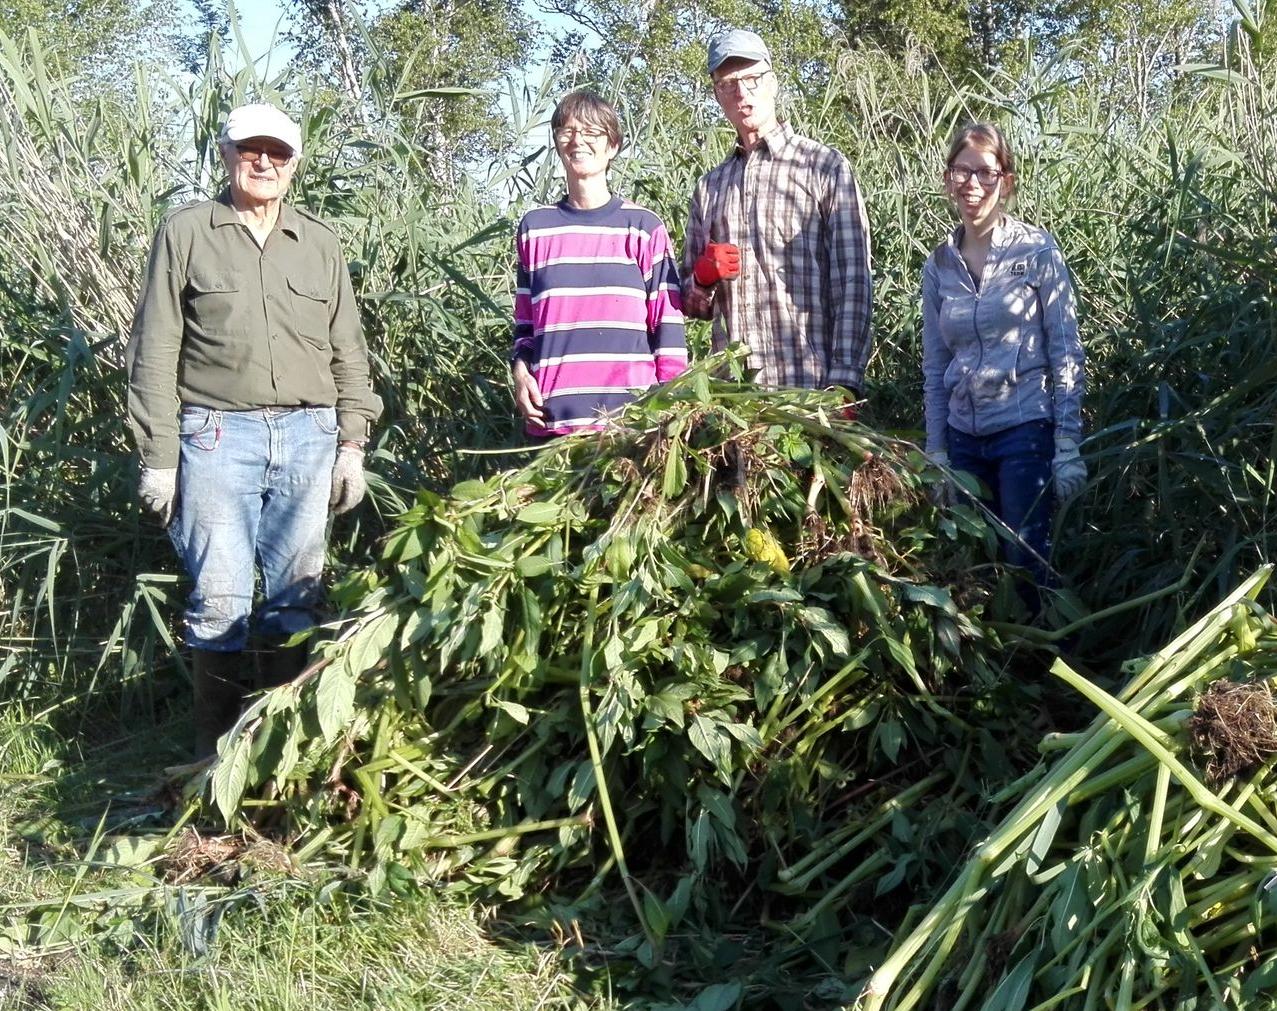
591 137
279 156
748 83
959 175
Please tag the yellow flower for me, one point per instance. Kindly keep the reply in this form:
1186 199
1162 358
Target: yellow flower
761 546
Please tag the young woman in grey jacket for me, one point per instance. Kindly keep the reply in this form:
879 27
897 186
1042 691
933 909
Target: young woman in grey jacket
1002 363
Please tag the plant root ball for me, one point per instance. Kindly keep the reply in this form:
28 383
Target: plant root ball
1234 727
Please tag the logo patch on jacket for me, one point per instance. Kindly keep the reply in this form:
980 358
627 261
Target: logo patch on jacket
1018 268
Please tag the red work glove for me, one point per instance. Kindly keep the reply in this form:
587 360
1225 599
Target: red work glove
719 262
849 412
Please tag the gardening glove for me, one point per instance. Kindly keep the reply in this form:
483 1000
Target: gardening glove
157 488
1067 467
942 493
850 411
719 262
349 484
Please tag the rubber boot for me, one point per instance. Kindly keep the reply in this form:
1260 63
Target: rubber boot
278 664
221 681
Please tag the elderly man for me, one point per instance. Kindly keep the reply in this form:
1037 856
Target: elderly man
250 402
777 246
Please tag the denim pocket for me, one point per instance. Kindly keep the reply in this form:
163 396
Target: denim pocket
325 419
201 427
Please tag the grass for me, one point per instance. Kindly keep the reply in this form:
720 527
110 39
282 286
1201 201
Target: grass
77 931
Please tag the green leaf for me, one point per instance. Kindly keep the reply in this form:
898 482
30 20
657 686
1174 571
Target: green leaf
655 915
531 566
129 850
369 646
699 834
746 734
493 626
675 471
468 491
934 596
539 514
230 776
891 736
705 738
719 997
518 713
668 706
334 700
583 785
1013 992
823 623
386 836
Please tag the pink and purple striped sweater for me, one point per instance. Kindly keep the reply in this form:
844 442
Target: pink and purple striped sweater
597 312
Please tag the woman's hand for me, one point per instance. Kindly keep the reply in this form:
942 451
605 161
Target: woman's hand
1068 468
527 394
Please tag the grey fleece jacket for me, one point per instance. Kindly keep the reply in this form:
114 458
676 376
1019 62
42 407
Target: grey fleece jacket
1008 351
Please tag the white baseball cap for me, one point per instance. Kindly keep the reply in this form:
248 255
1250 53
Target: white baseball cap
262 120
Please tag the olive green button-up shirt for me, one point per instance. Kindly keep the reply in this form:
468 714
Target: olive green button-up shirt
224 323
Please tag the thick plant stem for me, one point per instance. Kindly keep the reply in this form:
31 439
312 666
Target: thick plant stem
596 760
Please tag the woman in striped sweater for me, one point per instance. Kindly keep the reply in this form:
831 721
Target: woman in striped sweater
597 312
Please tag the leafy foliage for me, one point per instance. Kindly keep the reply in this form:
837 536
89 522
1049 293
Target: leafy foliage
688 647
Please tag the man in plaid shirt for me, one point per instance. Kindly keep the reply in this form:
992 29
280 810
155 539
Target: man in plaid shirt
777 245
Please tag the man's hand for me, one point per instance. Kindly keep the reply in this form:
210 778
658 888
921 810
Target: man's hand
719 262
349 484
527 394
850 410
1068 468
157 488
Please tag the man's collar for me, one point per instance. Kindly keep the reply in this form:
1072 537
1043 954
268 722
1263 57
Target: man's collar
289 222
775 142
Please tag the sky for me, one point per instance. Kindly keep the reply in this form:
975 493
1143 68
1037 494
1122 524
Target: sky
262 20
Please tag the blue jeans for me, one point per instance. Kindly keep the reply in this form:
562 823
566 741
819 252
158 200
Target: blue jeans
1015 465
253 487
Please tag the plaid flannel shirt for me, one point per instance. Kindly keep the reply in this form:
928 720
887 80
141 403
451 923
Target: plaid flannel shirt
803 301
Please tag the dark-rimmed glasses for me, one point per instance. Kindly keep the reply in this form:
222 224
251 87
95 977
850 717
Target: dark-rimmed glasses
278 156
748 83
960 175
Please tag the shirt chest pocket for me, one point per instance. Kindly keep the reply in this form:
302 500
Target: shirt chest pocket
312 309
215 301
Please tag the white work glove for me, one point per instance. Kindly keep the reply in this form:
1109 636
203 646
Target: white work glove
1068 468
349 484
157 488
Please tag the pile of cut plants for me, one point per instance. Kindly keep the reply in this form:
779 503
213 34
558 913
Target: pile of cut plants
1136 866
735 693
727 656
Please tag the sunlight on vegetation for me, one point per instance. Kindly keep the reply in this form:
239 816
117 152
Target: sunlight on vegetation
715 711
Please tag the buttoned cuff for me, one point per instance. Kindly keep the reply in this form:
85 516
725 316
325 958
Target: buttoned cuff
158 454
839 375
352 427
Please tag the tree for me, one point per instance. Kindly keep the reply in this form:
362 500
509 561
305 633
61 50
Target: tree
456 44
95 40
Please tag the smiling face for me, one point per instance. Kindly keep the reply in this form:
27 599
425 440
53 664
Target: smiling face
260 170
585 150
746 91
977 184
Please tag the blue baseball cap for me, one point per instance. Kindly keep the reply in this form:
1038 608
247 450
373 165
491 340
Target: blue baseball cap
738 44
